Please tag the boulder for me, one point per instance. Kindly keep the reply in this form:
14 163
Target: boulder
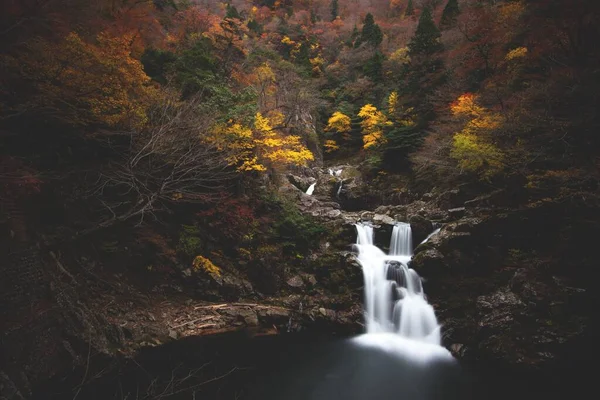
421 227
295 282
383 219
301 182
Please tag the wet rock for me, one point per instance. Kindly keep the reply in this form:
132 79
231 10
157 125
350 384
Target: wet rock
458 349
301 182
273 316
429 262
421 227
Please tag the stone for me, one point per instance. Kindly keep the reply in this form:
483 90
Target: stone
421 227
457 212
173 334
301 182
310 279
295 281
381 219
457 349
427 196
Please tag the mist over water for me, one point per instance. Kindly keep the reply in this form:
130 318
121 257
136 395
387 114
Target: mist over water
365 369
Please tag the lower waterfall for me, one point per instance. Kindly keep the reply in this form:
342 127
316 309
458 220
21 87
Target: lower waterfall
394 298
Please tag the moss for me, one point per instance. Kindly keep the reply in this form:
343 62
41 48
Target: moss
201 263
190 243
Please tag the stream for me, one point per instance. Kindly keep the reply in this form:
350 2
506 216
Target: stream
399 356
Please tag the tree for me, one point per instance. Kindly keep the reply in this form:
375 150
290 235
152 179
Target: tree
262 146
472 147
374 66
78 83
232 12
410 10
275 148
334 9
427 36
371 33
195 68
373 123
450 13
172 161
338 122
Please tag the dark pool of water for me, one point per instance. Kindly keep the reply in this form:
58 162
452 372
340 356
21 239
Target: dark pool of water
296 367
347 370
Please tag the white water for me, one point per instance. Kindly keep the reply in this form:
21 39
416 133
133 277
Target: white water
435 232
394 298
311 189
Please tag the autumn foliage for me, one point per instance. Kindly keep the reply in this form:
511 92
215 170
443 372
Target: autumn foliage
82 83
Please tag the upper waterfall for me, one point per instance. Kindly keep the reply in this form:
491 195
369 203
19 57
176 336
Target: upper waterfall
401 243
394 297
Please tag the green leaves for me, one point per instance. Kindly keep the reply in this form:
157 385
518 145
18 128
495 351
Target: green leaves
427 36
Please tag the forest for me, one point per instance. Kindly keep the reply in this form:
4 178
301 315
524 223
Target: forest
148 149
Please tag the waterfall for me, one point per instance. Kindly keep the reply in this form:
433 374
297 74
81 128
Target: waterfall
394 297
401 243
311 189
435 232
337 194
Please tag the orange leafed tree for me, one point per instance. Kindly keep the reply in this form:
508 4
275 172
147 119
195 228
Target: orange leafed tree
81 83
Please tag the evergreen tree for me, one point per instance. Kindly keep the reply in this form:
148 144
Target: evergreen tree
450 13
232 12
334 9
373 68
303 55
426 38
401 142
255 27
371 33
353 37
410 10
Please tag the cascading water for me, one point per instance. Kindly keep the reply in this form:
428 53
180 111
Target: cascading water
435 232
394 297
311 189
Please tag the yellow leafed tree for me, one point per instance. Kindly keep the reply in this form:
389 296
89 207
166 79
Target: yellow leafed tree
331 146
399 115
338 122
277 148
373 122
473 147
262 147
